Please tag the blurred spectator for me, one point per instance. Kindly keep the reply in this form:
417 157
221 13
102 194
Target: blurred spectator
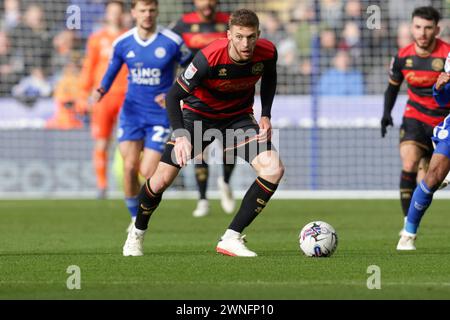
445 29
64 45
353 12
10 66
271 28
31 40
127 21
10 16
341 80
404 36
351 40
328 45
32 87
331 13
67 91
302 16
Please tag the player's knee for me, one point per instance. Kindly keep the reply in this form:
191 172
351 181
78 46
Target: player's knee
410 165
279 171
272 173
130 167
146 171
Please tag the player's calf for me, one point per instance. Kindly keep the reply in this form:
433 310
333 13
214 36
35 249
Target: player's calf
148 202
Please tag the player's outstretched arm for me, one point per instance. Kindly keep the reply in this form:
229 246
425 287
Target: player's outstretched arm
391 93
441 90
390 96
173 98
268 90
113 69
183 146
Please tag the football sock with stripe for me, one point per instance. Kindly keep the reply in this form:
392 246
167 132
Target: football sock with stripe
253 203
407 185
420 201
201 176
148 202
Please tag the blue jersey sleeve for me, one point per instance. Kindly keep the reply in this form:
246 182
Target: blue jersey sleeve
442 96
184 55
114 67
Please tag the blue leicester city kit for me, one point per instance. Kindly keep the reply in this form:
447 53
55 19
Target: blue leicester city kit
151 66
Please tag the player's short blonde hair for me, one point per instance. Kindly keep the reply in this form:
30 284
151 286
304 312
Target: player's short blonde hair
244 18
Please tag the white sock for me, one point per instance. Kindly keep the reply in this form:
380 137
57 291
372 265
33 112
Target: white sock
139 232
409 234
230 234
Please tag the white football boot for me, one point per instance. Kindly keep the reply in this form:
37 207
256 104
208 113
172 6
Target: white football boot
406 242
226 196
134 244
235 247
202 208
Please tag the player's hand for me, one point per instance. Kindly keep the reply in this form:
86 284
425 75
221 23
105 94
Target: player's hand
182 150
160 99
442 80
97 95
385 122
265 129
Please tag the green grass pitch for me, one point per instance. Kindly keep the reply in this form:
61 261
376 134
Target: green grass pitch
40 239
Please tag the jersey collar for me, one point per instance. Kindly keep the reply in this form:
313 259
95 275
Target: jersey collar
149 40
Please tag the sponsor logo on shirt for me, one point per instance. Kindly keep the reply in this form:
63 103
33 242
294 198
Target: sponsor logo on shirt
146 76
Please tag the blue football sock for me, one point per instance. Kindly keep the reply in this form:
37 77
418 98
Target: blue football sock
132 205
420 201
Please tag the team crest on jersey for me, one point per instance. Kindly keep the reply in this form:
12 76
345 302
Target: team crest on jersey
222 72
437 64
409 63
190 71
195 27
258 68
160 52
443 134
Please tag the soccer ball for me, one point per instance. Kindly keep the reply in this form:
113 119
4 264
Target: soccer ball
318 239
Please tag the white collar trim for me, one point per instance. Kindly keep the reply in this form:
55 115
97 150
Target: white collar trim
149 40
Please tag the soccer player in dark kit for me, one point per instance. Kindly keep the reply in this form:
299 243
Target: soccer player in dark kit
217 90
198 29
420 64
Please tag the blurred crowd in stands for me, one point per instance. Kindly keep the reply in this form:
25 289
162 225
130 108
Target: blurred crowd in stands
41 57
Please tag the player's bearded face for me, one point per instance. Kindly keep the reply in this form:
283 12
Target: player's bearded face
424 32
242 42
207 8
145 15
